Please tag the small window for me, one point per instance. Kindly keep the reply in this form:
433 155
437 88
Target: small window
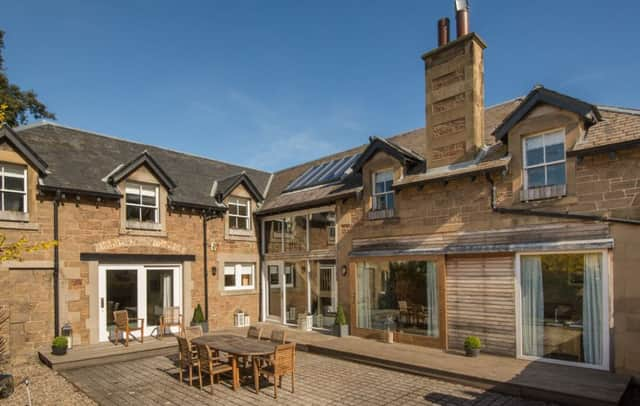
142 203
382 192
239 214
13 188
544 160
238 276
274 276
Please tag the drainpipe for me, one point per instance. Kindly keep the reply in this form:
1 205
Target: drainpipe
541 213
206 272
56 266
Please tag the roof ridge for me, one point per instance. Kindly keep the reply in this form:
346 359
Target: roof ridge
621 110
42 123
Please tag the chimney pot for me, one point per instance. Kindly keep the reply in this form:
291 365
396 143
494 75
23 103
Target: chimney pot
462 17
443 31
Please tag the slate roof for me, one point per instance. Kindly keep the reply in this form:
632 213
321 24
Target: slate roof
618 125
82 161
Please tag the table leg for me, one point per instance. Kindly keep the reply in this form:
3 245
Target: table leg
236 373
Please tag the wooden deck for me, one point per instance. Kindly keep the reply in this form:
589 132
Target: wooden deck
528 379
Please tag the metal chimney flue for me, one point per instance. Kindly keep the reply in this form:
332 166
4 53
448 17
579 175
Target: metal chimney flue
462 17
443 31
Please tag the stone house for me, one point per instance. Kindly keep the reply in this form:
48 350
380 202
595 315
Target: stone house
516 223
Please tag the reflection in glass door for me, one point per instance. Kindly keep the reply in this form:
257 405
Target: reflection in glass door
295 276
274 298
121 294
323 294
159 294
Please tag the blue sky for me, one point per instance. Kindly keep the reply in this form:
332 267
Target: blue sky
270 84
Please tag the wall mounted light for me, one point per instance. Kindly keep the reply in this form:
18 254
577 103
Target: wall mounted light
344 270
214 270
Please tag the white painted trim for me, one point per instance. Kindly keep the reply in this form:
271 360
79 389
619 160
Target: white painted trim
299 212
606 300
142 270
545 164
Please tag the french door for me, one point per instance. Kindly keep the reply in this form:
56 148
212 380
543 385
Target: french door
142 290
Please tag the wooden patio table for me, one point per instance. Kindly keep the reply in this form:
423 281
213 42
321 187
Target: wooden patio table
236 346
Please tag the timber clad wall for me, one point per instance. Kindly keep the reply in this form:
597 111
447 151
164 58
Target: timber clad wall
481 302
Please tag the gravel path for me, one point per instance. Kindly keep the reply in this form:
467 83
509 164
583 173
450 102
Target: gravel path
47 387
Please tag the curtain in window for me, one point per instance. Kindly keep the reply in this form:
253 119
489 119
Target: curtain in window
167 291
433 327
592 309
532 306
364 296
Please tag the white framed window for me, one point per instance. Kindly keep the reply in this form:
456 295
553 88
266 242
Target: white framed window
544 160
142 203
274 276
331 229
13 188
290 275
239 213
383 196
239 276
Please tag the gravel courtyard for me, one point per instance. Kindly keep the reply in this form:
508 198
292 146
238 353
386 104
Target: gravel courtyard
319 381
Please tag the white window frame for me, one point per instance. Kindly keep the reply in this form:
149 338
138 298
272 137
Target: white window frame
155 207
544 164
606 305
239 269
4 190
374 204
237 202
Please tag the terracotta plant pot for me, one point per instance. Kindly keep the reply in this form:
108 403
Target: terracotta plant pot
58 350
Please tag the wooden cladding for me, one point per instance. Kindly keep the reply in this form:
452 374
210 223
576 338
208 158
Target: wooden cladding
481 302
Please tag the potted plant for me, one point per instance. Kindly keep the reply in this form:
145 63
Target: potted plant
59 345
472 346
341 328
390 332
199 320
305 321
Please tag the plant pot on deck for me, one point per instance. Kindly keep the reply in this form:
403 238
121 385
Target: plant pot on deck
472 352
58 350
204 326
341 330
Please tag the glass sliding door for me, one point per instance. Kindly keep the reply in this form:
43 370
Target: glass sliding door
121 294
144 291
563 307
323 294
274 296
295 276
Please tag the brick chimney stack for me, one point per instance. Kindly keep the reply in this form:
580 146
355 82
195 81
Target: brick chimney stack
454 74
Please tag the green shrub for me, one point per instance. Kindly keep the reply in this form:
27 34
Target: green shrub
341 319
60 342
472 343
198 316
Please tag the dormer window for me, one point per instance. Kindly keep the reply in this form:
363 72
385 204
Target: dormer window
13 188
544 166
239 213
142 203
383 198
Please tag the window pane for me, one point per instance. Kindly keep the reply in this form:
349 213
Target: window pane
242 210
230 270
148 190
246 280
556 174
148 214
274 277
384 176
295 239
133 198
13 169
322 230
13 201
534 152
390 202
12 183
149 200
230 280
554 152
535 177
233 209
379 187
272 236
381 202
242 223
387 185
133 213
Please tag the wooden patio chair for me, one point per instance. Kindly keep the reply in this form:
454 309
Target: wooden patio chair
254 332
283 362
123 325
193 332
170 317
210 363
186 358
278 336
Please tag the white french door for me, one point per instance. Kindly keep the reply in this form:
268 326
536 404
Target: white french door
142 290
273 283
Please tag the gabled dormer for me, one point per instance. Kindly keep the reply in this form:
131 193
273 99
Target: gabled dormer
145 188
241 197
20 168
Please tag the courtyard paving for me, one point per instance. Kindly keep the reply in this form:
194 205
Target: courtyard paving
319 381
